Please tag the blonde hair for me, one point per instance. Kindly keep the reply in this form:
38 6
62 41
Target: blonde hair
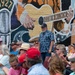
62 48
56 65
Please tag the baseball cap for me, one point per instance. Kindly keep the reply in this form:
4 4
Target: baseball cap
43 25
33 53
21 58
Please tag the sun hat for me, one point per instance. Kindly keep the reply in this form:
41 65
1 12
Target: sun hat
25 46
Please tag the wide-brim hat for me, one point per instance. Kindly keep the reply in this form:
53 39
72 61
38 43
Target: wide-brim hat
33 39
25 46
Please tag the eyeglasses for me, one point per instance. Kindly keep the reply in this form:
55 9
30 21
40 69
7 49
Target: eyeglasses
22 50
72 61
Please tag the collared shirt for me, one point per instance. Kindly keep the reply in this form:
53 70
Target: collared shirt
45 40
38 69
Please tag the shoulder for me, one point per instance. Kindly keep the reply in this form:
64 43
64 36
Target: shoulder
72 73
39 70
49 32
11 70
41 33
5 57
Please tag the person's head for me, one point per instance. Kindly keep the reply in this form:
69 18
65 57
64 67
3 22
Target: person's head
72 60
36 42
19 43
56 65
24 47
4 50
60 49
22 60
44 27
72 48
14 45
13 61
33 57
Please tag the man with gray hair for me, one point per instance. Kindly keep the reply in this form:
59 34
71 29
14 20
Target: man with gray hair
34 63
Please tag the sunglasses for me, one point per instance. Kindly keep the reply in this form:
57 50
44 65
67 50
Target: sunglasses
72 61
56 49
64 55
73 44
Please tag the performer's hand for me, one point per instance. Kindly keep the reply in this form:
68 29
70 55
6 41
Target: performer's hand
28 23
69 14
26 20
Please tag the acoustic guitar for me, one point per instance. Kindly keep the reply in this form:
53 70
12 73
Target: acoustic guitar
44 14
35 13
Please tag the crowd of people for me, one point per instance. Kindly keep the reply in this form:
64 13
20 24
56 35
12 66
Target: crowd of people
44 57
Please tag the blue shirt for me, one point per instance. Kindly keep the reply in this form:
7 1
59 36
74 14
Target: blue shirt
45 39
14 52
38 69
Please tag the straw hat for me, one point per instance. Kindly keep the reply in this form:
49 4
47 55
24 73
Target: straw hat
33 39
25 46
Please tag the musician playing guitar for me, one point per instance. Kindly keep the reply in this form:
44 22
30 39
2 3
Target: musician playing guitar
67 27
70 19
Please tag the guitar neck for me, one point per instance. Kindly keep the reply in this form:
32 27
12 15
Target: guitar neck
56 16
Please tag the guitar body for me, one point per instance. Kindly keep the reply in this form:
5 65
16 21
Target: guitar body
35 13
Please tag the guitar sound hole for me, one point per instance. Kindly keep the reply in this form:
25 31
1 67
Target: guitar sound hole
40 20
